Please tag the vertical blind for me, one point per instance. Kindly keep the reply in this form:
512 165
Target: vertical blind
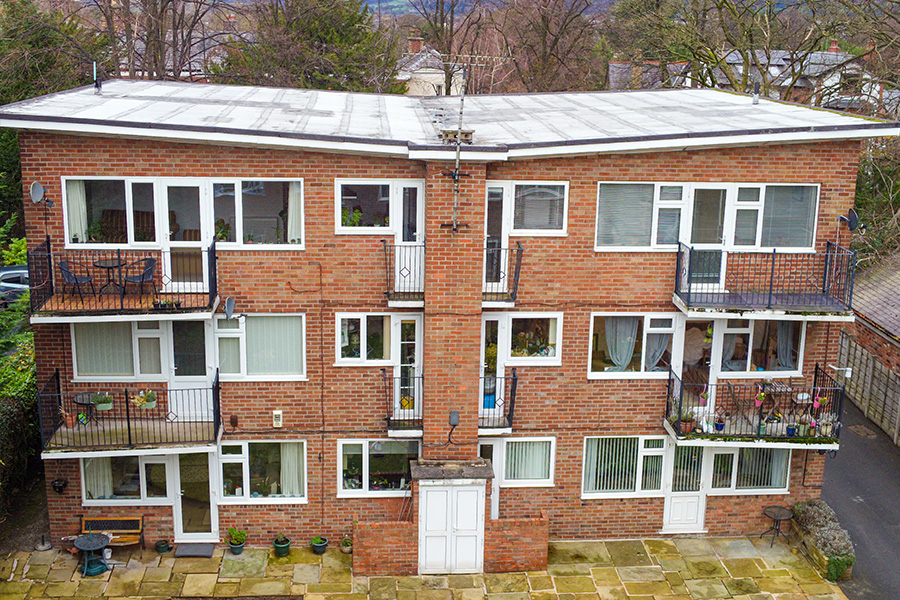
762 468
274 345
789 216
611 464
527 460
539 207
624 214
104 349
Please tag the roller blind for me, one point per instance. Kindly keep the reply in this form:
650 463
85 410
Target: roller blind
789 216
539 207
624 214
104 349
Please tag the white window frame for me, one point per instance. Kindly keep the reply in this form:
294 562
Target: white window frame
509 207
143 500
642 452
750 329
731 207
524 361
677 322
395 201
243 459
206 212
164 350
365 492
362 361
500 466
241 334
732 490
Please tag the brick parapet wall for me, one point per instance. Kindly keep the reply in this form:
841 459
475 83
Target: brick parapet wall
516 544
385 548
876 343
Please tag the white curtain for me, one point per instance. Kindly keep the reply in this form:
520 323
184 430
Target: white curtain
229 355
291 469
657 343
149 358
729 345
527 460
104 349
274 345
76 203
779 468
295 212
785 342
621 334
98 478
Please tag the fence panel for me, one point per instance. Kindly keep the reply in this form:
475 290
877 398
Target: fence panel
873 388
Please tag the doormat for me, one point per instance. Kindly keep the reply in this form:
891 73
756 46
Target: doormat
194 550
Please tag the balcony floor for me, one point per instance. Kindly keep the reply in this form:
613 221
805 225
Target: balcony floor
69 303
739 301
114 433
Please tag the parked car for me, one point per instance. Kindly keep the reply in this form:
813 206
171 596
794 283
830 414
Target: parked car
13 283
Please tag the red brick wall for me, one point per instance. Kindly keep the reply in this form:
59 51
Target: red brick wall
516 544
876 343
346 273
385 548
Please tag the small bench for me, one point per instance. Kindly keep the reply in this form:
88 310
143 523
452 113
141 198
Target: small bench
125 530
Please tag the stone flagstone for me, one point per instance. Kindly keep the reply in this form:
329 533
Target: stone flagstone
199 584
628 553
250 563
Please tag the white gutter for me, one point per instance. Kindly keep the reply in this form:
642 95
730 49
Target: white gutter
61 454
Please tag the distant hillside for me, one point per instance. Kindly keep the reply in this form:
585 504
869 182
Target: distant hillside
390 7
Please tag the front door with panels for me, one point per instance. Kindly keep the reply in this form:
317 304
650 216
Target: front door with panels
451 526
196 518
185 235
409 263
406 336
708 227
686 489
190 374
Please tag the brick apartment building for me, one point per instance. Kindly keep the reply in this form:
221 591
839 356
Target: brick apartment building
616 321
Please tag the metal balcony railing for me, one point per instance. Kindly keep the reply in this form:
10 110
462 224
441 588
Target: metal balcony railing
404 269
81 420
726 280
497 405
120 281
502 267
403 397
773 409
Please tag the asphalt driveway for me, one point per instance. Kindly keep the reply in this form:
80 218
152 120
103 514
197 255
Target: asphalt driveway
862 484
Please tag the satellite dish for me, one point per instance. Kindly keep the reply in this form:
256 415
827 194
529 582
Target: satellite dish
229 307
852 220
37 192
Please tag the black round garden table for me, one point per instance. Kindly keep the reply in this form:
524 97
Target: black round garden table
778 514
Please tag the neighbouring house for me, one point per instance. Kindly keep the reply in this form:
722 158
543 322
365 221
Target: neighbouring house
647 75
615 320
423 69
871 346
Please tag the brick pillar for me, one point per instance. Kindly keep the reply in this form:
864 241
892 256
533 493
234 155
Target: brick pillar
453 287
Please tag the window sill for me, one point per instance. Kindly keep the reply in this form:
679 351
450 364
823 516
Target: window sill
118 379
618 496
534 362
759 374
231 246
619 375
364 231
233 501
128 502
781 492
363 363
526 484
635 249
538 233
262 378
373 494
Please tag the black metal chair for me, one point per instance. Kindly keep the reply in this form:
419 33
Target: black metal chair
146 266
76 281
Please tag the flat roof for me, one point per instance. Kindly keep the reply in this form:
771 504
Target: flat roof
505 126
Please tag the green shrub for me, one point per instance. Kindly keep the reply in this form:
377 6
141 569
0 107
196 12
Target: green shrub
237 536
820 521
17 254
19 431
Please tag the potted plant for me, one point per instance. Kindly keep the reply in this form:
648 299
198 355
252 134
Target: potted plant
236 538
71 419
687 422
347 545
282 545
166 304
760 397
319 544
826 426
792 429
144 399
102 401
803 425
720 423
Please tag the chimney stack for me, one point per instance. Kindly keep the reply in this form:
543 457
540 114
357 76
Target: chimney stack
834 46
415 43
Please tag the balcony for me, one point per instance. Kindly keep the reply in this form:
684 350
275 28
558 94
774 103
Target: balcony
72 421
105 282
498 403
501 274
732 282
774 410
404 271
403 398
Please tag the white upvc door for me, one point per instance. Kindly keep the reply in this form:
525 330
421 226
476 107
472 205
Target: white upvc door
496 265
492 450
492 388
686 487
406 338
409 237
711 220
191 371
186 232
195 509
451 526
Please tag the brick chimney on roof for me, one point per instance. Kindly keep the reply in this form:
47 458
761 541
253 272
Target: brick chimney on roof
834 46
415 43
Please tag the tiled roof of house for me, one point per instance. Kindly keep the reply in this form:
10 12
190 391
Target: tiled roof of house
505 126
875 295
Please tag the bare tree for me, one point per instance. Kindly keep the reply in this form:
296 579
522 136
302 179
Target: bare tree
452 27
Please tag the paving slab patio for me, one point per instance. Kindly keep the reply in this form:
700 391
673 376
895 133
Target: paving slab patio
652 569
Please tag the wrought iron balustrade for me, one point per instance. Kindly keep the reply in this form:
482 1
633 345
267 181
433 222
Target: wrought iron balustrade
497 402
502 267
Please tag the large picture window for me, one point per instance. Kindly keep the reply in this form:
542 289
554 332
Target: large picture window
263 471
118 350
753 346
379 206
125 480
624 345
751 470
262 347
375 467
623 466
